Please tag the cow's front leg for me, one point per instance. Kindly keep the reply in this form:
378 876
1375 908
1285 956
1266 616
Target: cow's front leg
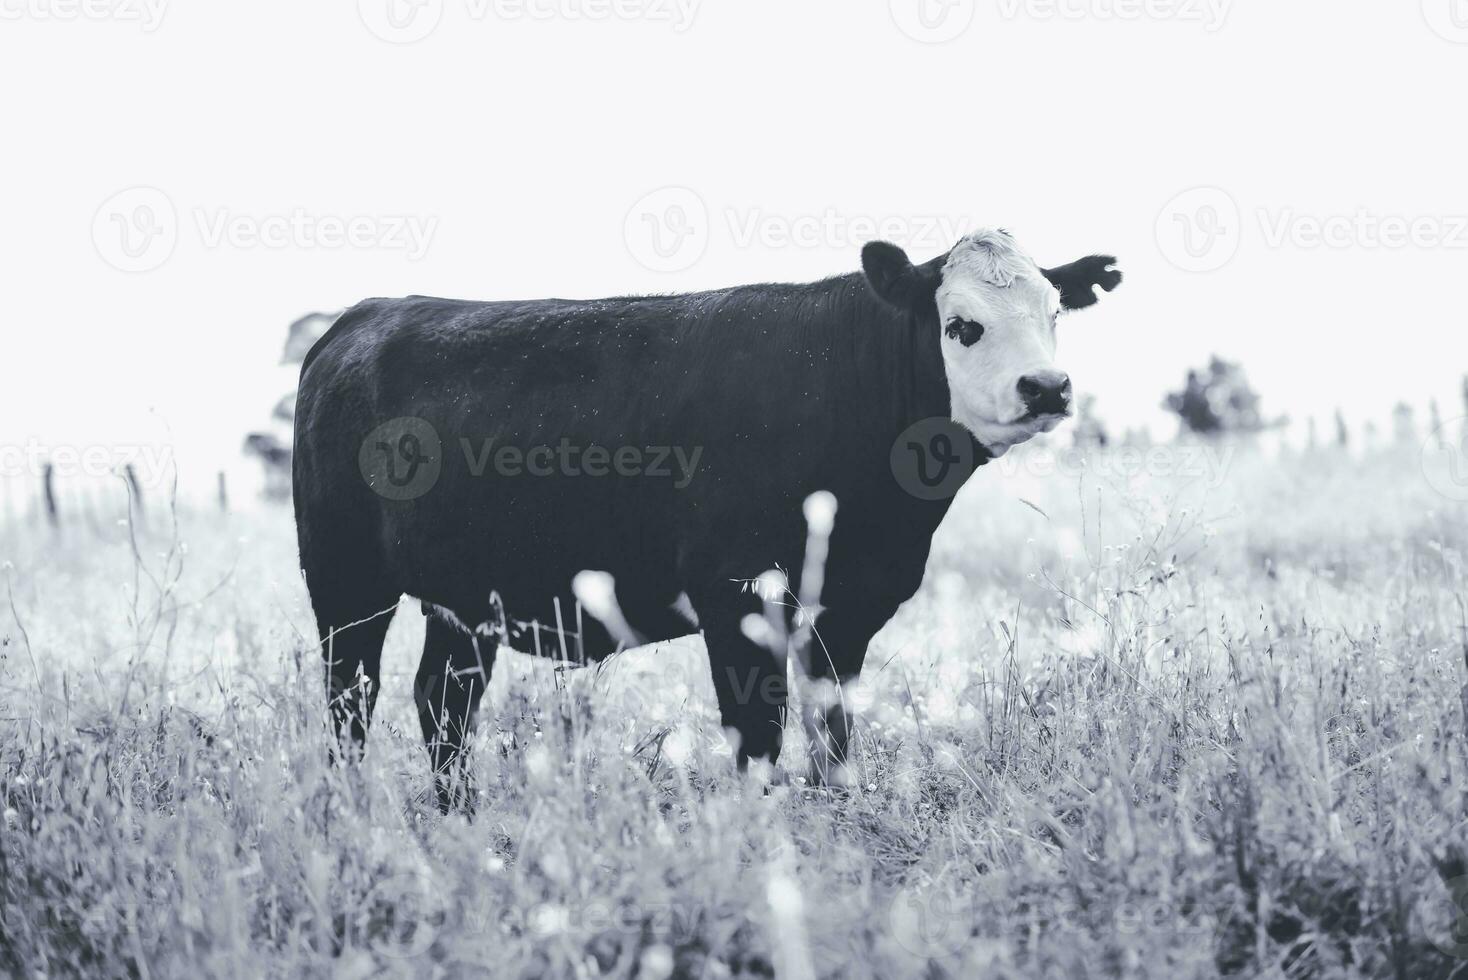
834 658
751 686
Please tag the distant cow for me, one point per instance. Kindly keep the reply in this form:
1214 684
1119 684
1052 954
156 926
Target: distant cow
453 450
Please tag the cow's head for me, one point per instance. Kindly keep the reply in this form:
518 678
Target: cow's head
997 311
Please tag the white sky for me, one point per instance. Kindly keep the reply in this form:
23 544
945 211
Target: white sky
528 140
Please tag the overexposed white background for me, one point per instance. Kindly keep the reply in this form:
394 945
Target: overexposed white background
529 136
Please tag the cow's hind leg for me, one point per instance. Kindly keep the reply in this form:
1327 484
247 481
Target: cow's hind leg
750 684
351 651
455 670
352 617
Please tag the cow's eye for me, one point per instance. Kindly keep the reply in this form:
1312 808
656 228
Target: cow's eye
966 332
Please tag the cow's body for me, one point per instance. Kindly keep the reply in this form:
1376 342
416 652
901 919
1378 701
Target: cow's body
774 391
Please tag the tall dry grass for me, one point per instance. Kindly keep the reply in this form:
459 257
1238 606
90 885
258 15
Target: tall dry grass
1135 724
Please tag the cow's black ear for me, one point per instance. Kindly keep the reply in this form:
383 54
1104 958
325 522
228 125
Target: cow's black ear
895 279
1077 282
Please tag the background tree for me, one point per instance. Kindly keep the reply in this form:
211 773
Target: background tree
1218 400
1090 431
272 445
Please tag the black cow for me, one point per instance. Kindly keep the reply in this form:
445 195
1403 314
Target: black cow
457 450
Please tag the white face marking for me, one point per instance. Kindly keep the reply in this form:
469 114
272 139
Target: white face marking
989 282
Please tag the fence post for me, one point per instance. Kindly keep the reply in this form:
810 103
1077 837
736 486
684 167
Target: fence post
223 494
48 490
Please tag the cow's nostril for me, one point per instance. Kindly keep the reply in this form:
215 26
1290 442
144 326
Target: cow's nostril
1045 393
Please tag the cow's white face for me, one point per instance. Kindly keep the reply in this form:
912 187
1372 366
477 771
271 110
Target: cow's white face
998 312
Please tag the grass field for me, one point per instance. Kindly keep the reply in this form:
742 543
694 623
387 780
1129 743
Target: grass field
1164 724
